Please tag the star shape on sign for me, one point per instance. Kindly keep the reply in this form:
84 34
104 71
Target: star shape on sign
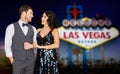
75 12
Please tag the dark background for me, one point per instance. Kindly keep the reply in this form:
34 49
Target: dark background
106 8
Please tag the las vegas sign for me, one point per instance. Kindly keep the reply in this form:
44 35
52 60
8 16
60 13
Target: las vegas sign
87 38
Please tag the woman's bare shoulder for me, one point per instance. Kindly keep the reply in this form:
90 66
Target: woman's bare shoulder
55 31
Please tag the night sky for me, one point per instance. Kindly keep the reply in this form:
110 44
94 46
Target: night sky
106 8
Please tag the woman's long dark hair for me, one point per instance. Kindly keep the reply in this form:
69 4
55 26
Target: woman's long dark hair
52 20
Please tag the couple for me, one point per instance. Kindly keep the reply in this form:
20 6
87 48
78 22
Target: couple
22 38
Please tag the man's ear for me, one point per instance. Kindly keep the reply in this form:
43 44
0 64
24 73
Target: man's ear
23 13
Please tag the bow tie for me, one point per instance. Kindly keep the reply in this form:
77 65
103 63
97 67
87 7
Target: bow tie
24 24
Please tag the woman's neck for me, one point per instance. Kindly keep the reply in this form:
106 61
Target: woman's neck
46 26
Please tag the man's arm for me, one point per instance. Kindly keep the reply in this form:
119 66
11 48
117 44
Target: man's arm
8 42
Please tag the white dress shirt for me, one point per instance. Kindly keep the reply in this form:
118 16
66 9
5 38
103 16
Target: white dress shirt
9 35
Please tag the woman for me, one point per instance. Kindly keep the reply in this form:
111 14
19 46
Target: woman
47 43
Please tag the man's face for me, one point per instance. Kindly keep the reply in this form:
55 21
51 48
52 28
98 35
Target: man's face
29 15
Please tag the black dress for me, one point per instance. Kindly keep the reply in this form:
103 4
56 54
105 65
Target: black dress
46 62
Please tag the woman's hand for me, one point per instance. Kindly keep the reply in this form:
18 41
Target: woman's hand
35 45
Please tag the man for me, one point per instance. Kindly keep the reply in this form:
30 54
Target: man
16 35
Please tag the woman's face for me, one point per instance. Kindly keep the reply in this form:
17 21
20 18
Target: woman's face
44 19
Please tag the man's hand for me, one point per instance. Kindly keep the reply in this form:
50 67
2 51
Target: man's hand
28 45
11 59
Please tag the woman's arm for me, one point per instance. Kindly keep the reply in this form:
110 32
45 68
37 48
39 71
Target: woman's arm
56 41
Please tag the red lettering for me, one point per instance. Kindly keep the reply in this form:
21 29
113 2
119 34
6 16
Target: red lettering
96 35
71 35
108 35
64 34
76 35
91 35
102 35
85 34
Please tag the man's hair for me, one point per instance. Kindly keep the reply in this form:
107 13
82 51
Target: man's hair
24 8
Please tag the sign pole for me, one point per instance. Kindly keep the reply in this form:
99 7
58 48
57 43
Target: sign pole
70 57
85 66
